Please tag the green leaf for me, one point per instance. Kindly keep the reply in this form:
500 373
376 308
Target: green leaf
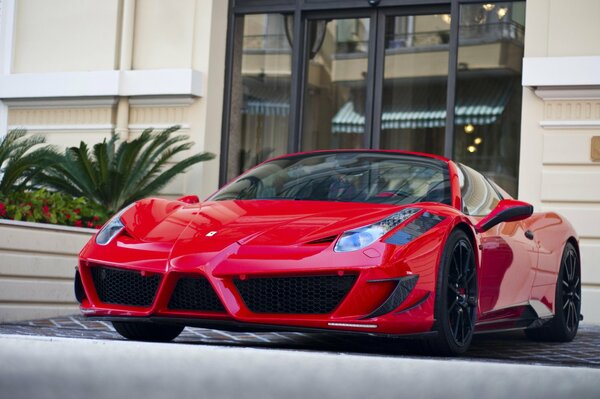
118 172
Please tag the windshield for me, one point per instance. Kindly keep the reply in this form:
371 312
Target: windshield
383 178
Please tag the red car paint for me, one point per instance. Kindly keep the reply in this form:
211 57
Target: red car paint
223 240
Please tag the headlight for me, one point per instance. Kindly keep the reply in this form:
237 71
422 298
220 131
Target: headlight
361 237
111 228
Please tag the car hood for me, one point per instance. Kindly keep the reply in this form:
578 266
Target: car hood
212 226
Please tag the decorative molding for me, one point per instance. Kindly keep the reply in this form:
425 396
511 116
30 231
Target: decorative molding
557 93
154 116
65 117
570 124
158 126
159 82
72 103
43 128
582 114
173 101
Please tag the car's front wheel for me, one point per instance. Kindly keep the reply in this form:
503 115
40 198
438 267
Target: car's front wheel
456 297
141 331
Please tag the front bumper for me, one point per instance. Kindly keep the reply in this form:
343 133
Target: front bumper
357 300
382 272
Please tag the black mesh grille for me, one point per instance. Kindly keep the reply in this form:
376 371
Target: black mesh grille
124 287
300 295
193 293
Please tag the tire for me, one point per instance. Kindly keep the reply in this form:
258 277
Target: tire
455 298
565 323
142 331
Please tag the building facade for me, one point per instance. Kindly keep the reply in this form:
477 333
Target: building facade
510 88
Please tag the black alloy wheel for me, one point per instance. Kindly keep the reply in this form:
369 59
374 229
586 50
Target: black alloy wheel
565 323
456 297
462 293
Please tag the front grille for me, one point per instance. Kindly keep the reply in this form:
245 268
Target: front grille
299 295
124 287
195 293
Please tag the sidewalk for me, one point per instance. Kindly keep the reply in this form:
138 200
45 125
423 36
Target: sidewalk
64 368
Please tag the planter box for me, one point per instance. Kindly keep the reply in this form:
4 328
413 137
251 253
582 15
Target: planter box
37 266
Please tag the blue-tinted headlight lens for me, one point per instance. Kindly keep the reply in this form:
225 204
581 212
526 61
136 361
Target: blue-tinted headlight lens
109 231
361 237
112 227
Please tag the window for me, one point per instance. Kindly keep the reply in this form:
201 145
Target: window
442 78
488 90
260 101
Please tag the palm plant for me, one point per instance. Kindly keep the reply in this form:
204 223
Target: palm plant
21 161
116 173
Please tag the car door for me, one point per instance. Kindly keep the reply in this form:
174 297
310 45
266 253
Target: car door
508 256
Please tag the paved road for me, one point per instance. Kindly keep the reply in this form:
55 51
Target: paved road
513 347
51 367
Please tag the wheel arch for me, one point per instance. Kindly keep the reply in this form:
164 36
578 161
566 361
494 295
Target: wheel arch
575 243
469 232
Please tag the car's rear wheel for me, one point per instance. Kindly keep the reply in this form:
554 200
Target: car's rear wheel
563 326
456 298
141 331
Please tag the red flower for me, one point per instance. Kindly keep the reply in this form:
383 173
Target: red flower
96 218
46 209
2 209
77 211
98 226
90 224
78 223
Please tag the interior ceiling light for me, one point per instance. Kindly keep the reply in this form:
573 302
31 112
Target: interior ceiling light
502 11
488 7
471 148
469 128
478 140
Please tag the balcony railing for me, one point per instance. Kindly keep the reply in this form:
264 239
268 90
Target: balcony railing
405 42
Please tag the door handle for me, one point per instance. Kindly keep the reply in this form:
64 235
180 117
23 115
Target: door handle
529 234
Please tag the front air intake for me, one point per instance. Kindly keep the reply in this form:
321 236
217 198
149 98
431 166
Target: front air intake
196 294
124 287
294 295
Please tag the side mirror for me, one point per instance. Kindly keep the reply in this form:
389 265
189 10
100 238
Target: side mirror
507 210
189 199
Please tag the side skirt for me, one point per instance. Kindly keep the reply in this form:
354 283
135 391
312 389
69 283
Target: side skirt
532 314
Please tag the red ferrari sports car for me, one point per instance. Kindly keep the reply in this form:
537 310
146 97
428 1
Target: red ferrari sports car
380 242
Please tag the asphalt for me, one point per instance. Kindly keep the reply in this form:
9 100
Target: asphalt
512 347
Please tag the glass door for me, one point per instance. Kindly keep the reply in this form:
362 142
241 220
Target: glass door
377 81
337 87
410 113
